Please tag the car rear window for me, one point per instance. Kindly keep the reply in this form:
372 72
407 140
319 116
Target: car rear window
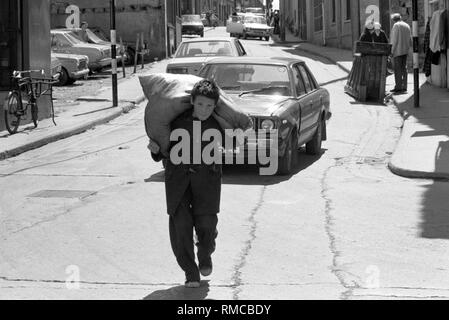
204 49
191 18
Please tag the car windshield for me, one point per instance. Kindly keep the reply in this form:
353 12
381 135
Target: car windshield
204 49
191 18
255 19
258 79
72 38
93 37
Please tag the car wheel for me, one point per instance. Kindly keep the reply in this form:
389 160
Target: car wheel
313 147
245 36
288 161
202 34
267 38
63 77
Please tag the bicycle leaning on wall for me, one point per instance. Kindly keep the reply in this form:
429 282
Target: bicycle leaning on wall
26 90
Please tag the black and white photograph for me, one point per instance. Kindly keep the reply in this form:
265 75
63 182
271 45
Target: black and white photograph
245 152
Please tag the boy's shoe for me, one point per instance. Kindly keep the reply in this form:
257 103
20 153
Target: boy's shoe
192 284
206 267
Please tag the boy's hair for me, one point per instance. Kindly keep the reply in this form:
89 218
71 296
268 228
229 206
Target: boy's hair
206 88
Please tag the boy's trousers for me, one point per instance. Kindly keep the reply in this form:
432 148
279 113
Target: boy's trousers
181 227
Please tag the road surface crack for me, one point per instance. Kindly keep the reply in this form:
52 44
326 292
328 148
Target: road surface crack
237 276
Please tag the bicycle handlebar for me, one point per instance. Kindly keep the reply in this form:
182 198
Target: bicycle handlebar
18 74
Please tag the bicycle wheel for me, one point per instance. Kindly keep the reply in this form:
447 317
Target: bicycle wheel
12 115
35 114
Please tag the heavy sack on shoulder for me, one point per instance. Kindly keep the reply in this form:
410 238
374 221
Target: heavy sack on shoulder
229 116
169 96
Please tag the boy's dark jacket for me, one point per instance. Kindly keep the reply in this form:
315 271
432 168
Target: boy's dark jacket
204 180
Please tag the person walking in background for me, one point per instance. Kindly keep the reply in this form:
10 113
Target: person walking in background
401 41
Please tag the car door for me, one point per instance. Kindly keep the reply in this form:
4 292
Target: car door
316 98
306 104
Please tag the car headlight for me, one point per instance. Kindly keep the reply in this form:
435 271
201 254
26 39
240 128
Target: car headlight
267 125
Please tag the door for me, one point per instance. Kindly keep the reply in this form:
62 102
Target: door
305 101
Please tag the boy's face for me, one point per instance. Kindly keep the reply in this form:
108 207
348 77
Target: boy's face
203 107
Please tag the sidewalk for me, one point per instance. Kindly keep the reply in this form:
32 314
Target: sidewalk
423 149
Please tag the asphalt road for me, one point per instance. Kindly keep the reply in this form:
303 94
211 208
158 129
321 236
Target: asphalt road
342 227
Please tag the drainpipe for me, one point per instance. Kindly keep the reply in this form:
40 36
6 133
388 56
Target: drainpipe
167 45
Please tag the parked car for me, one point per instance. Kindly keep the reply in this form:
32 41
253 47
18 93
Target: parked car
192 25
74 67
94 39
256 26
63 41
55 67
279 94
130 47
193 53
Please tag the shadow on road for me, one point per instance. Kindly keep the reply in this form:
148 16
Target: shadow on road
181 293
249 174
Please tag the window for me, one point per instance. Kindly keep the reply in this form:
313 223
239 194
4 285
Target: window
299 83
348 10
305 78
334 11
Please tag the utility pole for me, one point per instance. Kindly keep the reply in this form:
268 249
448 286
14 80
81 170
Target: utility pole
415 52
282 19
114 55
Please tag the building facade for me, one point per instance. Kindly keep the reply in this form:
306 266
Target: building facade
158 21
24 44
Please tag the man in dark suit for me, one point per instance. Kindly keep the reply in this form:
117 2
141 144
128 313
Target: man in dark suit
193 186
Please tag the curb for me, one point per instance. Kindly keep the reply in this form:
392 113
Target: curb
417 174
77 129
406 173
